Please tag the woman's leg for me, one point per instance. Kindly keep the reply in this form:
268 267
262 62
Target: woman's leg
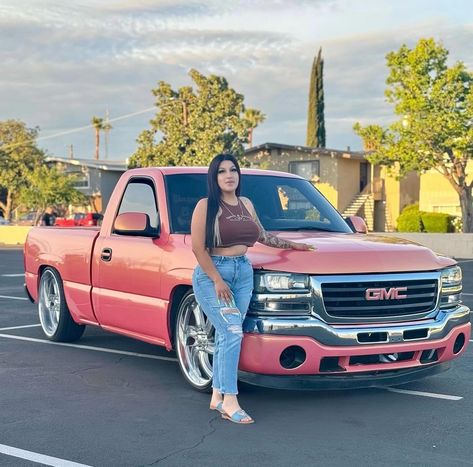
227 323
242 289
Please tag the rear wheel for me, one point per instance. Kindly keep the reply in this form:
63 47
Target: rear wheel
195 343
54 315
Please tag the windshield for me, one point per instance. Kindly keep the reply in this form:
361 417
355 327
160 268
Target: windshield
282 203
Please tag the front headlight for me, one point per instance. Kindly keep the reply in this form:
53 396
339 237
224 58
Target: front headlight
451 279
281 282
451 287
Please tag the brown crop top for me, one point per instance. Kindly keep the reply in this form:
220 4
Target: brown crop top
237 226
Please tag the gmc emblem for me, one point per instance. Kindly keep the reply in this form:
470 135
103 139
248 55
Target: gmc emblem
394 293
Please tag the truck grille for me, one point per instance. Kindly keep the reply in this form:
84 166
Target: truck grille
348 299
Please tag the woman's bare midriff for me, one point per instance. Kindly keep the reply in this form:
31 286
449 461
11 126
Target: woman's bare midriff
235 250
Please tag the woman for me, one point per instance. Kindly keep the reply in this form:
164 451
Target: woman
223 227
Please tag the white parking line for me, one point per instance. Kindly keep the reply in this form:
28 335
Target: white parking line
39 458
20 327
12 275
89 347
465 293
425 394
13 298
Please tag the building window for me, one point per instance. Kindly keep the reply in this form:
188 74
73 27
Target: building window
81 180
306 169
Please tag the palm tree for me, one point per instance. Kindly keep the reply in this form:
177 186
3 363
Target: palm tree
254 118
98 126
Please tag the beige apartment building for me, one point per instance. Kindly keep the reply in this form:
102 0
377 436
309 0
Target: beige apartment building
346 178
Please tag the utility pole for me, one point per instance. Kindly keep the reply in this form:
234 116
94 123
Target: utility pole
71 151
106 128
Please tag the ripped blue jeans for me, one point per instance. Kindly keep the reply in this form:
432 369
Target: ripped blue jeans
237 272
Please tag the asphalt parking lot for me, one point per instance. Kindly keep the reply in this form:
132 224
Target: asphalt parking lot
111 401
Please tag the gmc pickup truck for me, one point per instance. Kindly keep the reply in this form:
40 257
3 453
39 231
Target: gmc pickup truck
362 310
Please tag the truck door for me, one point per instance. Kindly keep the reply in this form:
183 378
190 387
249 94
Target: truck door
126 272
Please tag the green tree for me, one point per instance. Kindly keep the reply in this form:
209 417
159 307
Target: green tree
18 156
315 114
193 124
434 130
254 118
48 186
98 124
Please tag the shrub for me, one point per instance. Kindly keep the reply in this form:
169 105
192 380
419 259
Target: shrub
457 224
413 220
410 219
437 222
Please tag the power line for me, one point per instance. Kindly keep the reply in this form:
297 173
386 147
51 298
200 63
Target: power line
75 130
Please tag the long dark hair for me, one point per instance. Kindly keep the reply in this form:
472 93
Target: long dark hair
214 194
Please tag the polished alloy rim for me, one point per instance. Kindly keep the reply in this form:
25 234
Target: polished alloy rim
195 342
49 303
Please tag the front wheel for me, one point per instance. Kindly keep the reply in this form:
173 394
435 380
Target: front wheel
54 315
195 343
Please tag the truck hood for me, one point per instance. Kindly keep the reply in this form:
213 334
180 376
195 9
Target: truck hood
339 253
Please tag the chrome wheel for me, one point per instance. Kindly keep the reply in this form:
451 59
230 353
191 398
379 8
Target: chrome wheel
195 343
49 304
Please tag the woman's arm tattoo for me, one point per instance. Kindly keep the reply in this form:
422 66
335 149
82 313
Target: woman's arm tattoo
265 237
269 239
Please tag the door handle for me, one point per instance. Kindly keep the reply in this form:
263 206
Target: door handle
106 254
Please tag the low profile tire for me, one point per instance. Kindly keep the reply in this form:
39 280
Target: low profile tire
54 315
195 343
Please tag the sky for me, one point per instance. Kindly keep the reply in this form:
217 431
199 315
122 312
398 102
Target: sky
65 62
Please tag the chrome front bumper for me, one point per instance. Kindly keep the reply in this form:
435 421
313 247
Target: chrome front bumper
361 334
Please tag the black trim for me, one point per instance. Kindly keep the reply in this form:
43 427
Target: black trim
148 232
27 293
377 379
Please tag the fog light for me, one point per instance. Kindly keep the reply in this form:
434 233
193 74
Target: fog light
459 343
292 357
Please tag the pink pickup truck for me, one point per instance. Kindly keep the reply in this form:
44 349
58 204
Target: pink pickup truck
362 310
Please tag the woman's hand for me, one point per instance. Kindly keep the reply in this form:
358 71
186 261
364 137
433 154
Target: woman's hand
223 292
303 247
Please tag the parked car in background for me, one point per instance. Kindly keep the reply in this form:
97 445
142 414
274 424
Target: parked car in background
80 219
4 221
26 219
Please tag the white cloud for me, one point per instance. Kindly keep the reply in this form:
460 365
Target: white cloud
63 63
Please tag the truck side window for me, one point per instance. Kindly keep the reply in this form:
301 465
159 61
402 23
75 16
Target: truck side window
139 196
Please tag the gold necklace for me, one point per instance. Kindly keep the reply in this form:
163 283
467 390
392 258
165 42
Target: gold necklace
237 217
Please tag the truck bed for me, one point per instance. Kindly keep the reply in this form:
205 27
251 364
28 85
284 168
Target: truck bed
69 251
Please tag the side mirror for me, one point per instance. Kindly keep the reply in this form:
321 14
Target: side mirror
134 223
357 224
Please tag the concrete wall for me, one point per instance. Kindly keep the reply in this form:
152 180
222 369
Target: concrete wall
13 234
458 245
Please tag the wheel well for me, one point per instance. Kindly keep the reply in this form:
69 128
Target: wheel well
176 297
40 272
